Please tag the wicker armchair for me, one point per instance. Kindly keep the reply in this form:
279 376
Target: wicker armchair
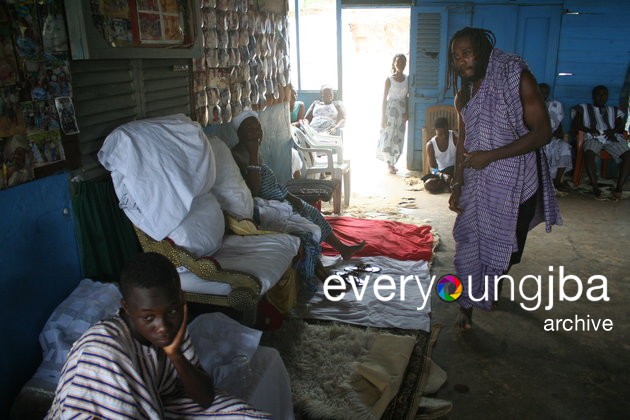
246 288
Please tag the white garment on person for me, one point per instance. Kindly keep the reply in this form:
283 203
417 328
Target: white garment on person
398 90
447 158
324 116
556 114
296 162
558 152
279 216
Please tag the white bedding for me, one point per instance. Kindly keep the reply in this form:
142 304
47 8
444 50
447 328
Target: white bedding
279 216
265 256
158 166
369 310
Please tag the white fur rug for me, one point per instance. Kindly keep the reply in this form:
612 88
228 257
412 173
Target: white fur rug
319 359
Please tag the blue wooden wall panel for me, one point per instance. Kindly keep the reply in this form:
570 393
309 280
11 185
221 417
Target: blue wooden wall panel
591 45
39 266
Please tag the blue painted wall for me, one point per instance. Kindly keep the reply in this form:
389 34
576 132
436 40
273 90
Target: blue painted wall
592 45
39 266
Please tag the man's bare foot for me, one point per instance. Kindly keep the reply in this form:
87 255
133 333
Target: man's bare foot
350 250
463 321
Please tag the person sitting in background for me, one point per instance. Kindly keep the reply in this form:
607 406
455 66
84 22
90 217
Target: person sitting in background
326 115
296 108
141 362
262 183
441 151
603 127
558 151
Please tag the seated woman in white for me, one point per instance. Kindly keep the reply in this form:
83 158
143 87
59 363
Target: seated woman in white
326 115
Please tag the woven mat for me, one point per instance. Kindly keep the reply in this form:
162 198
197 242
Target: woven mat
318 356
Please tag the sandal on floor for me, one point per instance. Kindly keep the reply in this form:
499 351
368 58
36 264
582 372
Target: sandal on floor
563 187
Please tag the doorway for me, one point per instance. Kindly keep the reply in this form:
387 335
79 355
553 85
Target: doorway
370 39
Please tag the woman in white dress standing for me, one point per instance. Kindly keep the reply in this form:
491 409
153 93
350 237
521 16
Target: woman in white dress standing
395 114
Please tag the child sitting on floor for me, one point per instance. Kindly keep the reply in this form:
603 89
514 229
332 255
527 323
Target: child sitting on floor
441 152
141 362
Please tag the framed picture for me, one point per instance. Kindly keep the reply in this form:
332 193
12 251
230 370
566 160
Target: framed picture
134 29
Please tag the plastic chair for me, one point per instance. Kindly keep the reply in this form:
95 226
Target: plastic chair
579 160
315 139
314 167
428 131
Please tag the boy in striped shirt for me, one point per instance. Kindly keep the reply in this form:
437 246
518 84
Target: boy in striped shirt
141 362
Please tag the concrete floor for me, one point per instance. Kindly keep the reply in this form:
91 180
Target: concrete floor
508 366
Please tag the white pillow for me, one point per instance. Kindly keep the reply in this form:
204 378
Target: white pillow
89 302
229 186
158 166
201 231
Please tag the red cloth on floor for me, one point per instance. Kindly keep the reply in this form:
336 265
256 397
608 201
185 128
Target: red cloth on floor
397 240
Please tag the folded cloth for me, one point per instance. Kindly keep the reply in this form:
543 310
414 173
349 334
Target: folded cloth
397 240
379 373
244 227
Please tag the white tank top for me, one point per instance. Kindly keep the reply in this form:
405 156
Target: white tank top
444 159
397 90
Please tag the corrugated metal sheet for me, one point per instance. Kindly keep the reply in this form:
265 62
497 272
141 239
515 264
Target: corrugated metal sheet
108 93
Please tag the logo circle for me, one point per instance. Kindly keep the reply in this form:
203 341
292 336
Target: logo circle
449 288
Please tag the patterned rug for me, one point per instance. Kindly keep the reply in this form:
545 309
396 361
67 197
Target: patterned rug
319 357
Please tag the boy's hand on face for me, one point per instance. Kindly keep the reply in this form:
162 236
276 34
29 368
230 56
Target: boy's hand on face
174 348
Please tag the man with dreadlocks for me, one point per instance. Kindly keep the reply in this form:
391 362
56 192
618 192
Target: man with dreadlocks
501 187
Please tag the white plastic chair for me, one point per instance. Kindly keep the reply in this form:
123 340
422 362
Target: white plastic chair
314 167
315 139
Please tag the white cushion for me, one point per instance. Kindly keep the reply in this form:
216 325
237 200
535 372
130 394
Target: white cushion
265 256
89 302
201 232
158 166
229 187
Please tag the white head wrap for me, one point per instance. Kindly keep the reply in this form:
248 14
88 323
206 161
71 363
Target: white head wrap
238 120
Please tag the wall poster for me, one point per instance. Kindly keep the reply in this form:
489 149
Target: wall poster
151 23
36 109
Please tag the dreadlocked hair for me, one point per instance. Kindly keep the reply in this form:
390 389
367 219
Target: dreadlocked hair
396 57
482 41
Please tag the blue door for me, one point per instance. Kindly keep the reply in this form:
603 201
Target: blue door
532 32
